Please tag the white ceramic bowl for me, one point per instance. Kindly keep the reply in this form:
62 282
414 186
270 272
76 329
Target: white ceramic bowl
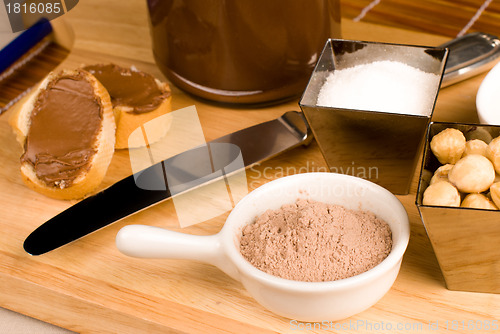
488 98
304 301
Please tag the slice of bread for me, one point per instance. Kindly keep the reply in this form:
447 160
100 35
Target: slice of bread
127 122
84 176
133 83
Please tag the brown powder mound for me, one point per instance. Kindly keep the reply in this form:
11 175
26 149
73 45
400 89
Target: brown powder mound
315 242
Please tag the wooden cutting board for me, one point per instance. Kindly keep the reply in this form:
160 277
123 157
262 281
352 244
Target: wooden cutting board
89 287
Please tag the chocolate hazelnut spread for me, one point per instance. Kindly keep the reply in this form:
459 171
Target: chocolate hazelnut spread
127 87
64 125
245 51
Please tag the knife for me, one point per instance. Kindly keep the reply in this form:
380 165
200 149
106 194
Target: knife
187 171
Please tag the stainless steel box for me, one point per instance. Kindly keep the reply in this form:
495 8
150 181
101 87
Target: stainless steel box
379 146
464 240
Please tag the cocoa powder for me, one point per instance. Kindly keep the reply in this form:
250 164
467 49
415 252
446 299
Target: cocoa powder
315 242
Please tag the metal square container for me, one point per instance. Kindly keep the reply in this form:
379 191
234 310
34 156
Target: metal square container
464 240
379 146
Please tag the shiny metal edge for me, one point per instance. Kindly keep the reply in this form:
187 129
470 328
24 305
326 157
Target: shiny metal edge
470 55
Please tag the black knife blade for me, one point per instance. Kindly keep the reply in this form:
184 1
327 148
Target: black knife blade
186 171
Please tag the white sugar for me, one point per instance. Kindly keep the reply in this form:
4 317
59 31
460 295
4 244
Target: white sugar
386 86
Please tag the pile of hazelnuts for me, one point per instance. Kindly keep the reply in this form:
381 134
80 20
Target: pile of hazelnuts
470 172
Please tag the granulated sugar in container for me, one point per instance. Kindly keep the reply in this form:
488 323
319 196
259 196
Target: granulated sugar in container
369 105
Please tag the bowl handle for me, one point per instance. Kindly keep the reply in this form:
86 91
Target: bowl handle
156 242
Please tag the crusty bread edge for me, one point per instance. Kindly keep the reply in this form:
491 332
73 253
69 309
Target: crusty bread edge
88 181
127 122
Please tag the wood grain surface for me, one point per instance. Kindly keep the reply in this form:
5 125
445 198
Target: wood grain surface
89 287
443 17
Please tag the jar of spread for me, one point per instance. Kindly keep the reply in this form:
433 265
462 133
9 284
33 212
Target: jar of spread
241 51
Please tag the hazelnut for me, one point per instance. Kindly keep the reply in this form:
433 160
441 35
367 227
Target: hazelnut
448 146
472 174
441 193
495 193
441 174
479 133
493 153
478 201
475 146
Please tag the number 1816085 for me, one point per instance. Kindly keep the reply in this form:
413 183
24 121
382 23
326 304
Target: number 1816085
34 8
475 325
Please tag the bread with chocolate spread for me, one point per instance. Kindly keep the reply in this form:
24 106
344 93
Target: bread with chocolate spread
137 98
67 130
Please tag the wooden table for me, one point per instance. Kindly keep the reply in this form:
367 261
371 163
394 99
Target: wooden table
89 287
442 17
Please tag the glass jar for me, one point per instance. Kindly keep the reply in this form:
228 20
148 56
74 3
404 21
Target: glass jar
241 51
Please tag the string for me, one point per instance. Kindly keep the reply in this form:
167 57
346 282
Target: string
476 16
365 10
